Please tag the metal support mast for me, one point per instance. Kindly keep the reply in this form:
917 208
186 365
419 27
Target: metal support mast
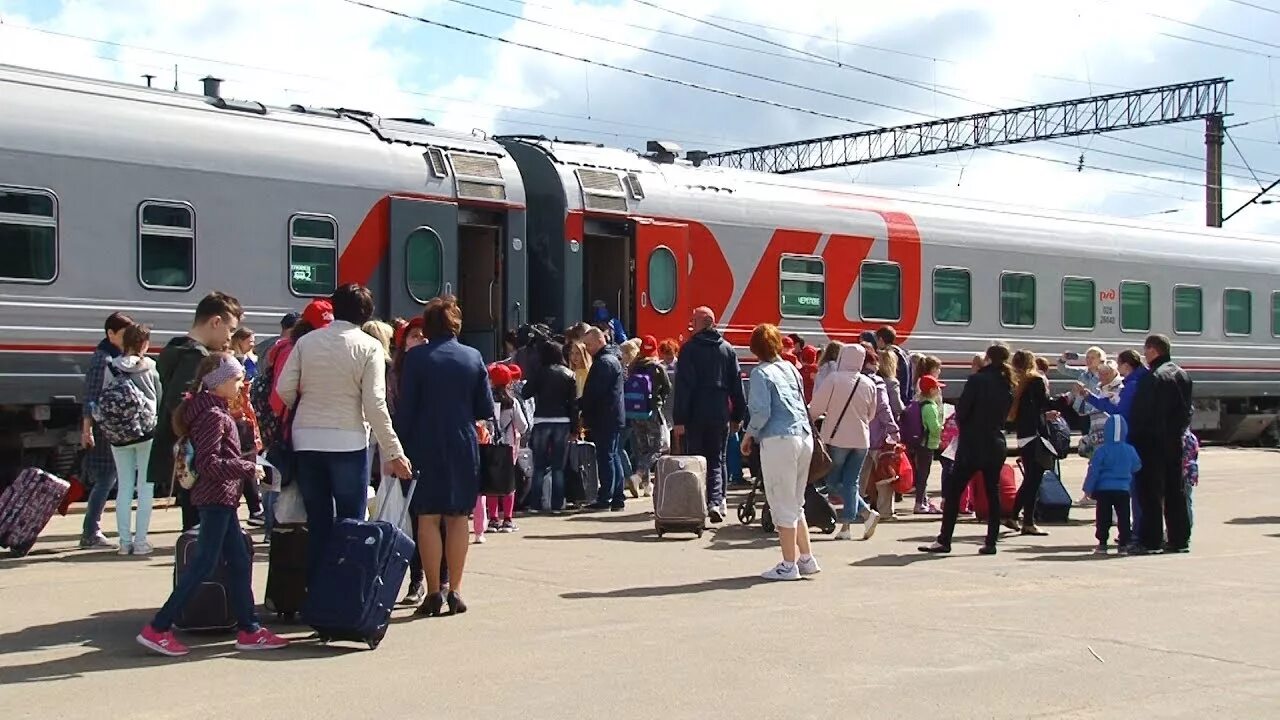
1213 170
1163 105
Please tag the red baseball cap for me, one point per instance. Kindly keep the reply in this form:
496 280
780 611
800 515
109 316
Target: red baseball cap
516 372
318 313
788 343
929 383
649 346
499 375
402 332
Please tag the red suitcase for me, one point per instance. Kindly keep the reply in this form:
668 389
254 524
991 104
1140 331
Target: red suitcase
1008 493
26 507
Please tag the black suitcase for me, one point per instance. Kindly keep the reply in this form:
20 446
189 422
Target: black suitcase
209 608
287 570
1053 502
819 513
582 477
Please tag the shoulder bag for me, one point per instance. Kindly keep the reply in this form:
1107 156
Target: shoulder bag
820 462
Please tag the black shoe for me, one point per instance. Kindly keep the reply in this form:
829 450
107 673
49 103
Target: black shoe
433 607
1170 548
617 507
256 519
598 506
935 549
1143 550
714 513
987 550
456 606
417 591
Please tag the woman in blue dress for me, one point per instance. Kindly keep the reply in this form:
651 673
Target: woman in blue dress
444 391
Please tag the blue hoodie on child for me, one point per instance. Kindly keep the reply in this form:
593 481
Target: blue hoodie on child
1114 462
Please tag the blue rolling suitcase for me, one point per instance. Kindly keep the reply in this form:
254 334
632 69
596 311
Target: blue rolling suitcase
359 579
1053 502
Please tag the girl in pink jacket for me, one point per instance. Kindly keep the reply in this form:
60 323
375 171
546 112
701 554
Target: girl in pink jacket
847 399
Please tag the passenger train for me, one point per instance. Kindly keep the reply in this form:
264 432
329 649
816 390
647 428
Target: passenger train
119 197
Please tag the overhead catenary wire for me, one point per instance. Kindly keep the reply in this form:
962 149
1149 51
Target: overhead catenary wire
1255 6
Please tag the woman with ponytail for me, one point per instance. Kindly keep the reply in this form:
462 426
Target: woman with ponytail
980 415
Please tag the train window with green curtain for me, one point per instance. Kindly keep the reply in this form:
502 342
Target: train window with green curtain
952 296
1079 309
1135 306
880 291
662 279
802 286
313 255
1188 310
1017 299
166 245
1237 312
28 235
424 266
1275 314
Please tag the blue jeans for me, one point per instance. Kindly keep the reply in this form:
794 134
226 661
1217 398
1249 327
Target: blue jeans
332 484
709 441
548 442
733 457
103 484
609 465
219 538
846 471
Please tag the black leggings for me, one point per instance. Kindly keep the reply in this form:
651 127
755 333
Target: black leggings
954 488
1032 474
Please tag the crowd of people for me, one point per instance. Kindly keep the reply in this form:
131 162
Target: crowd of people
339 402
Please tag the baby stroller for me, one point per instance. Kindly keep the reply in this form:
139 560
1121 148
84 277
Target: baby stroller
819 513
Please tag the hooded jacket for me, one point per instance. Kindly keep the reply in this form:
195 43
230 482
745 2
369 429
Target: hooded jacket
177 366
709 382
849 400
141 371
220 468
884 424
1114 462
1123 405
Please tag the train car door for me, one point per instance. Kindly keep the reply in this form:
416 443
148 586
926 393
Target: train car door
661 269
480 288
423 257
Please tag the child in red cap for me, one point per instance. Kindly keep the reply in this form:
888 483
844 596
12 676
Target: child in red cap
512 424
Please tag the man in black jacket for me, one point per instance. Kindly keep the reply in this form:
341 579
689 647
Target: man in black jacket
1161 414
603 415
708 399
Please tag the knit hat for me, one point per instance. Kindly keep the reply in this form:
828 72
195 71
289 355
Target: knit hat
318 313
229 368
499 375
649 346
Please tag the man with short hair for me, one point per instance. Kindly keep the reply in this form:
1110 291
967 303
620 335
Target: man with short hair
604 416
887 339
217 318
708 400
1160 415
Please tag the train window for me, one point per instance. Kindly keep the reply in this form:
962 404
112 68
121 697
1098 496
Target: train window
28 235
880 291
662 279
424 265
313 255
802 286
166 245
1188 310
952 297
1237 312
1078 298
1275 314
1017 299
1135 306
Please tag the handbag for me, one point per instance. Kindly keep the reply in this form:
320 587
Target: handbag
497 466
820 463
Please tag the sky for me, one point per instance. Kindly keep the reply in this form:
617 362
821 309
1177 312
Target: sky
893 63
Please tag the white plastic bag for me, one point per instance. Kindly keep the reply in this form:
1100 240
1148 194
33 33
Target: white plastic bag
393 502
289 505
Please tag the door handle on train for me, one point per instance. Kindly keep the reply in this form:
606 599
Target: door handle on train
492 319
644 299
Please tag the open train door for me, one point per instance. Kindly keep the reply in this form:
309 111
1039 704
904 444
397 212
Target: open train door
661 279
423 257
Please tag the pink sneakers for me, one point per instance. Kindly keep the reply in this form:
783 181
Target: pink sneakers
162 642
261 639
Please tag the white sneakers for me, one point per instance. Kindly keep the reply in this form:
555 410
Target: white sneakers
869 527
793 571
142 547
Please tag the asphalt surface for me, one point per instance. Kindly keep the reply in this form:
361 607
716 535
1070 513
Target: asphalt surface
593 616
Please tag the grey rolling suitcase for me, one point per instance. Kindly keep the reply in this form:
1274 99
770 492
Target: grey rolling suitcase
680 494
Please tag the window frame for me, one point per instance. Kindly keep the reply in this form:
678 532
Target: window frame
1173 297
1274 295
171 232
408 287
1035 297
933 292
861 288
56 224
802 277
1120 304
675 279
1093 299
291 239
1249 292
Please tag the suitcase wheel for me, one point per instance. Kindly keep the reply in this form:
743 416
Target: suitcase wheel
746 513
700 532
376 640
324 639
287 617
828 528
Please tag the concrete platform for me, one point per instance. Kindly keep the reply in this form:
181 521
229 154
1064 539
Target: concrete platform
592 616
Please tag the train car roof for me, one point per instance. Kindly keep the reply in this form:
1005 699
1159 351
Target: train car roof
61 114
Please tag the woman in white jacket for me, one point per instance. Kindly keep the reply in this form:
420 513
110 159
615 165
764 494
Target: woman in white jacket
848 400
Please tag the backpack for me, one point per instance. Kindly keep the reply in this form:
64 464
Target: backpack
122 411
1059 436
911 425
637 396
1190 458
270 428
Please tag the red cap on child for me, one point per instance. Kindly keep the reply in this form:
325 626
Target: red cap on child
649 346
516 373
499 375
929 383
